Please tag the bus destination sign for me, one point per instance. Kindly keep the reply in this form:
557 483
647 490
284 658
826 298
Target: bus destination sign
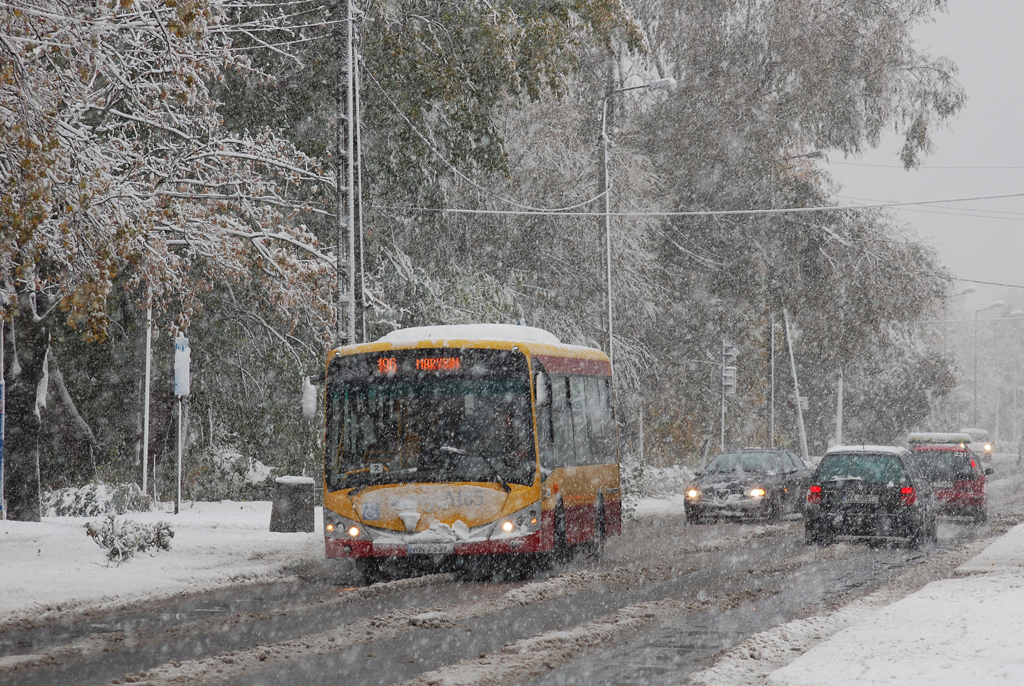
389 365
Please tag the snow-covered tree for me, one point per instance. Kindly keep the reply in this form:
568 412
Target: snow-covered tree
117 172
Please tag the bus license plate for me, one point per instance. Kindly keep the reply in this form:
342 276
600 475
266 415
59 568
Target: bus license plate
861 499
431 548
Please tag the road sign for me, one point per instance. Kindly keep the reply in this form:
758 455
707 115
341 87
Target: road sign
729 380
729 352
182 365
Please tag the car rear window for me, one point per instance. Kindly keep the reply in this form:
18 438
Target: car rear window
944 465
876 469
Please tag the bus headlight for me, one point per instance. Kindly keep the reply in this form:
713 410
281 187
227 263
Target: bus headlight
756 493
353 531
520 523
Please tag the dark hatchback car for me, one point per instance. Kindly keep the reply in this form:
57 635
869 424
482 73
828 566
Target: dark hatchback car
753 482
957 479
871 492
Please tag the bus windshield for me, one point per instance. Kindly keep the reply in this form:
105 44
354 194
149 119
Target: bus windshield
409 421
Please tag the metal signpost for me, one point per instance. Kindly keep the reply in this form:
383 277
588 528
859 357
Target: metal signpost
182 362
729 354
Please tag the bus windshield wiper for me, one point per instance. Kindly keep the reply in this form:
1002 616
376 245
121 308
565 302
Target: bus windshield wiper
487 461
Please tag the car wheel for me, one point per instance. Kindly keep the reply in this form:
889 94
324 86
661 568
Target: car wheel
692 517
982 515
817 535
371 570
918 535
775 509
597 545
562 551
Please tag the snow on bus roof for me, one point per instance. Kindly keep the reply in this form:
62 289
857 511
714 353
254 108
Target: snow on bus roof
472 332
875 449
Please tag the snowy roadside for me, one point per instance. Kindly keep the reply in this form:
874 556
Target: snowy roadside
963 629
52 568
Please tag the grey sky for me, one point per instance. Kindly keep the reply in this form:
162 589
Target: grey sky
978 240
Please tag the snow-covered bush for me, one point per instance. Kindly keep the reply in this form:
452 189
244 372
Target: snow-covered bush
123 539
644 481
660 482
631 480
223 473
95 499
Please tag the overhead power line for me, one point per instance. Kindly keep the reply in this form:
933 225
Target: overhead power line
991 283
701 213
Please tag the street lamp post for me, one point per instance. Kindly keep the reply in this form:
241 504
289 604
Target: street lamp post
945 317
997 303
1016 314
660 84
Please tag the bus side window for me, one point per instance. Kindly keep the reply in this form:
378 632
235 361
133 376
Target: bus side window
578 401
599 421
561 420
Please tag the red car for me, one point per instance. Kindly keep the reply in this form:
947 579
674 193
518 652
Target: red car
956 476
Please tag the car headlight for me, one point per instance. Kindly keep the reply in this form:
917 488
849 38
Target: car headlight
692 493
756 493
988 447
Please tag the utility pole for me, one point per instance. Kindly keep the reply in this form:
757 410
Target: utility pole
771 384
145 404
349 284
839 410
3 388
796 387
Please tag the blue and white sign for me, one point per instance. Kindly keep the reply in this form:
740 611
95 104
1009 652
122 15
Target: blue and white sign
182 364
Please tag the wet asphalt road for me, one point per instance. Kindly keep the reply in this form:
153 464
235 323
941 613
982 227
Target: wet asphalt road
767 575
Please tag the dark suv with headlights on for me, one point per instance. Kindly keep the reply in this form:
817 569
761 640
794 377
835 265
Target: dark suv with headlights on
870 492
753 482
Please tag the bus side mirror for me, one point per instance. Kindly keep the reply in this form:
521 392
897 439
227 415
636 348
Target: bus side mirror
543 389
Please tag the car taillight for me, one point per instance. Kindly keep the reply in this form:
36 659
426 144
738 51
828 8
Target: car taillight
973 465
814 494
907 495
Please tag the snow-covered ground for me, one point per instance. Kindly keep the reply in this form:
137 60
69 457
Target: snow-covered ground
964 630
968 629
53 567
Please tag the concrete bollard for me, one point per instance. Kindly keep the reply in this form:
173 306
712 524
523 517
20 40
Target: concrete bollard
293 510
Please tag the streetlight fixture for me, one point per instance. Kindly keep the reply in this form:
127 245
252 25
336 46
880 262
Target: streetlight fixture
660 84
994 305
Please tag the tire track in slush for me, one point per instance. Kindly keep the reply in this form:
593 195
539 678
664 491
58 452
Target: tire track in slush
239 663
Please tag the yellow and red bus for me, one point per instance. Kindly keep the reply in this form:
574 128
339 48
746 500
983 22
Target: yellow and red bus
450 444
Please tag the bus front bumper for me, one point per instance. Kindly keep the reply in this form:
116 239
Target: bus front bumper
530 543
